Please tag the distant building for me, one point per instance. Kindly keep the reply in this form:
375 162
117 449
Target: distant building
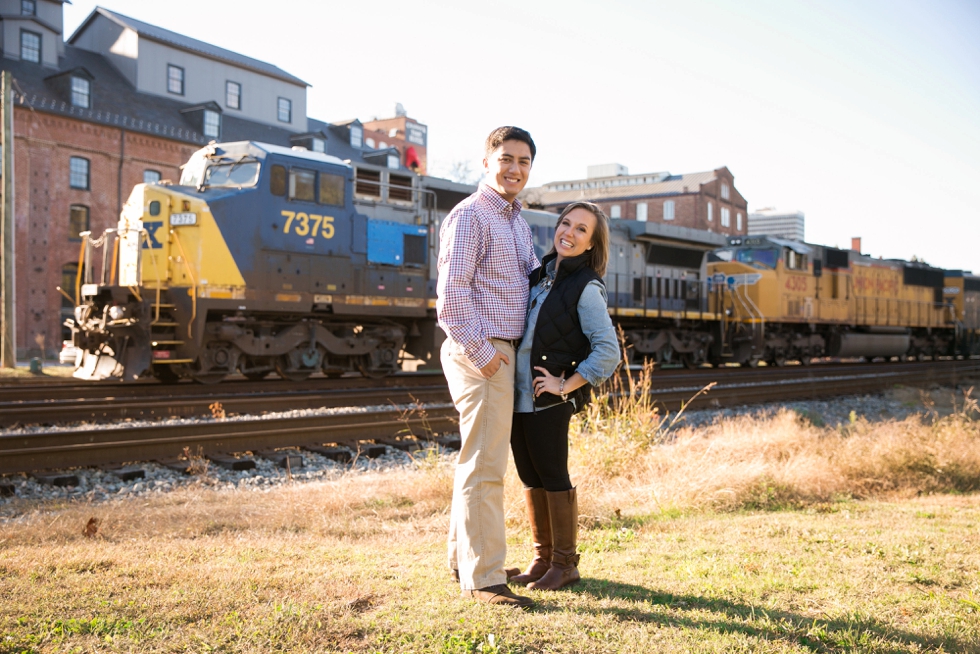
408 136
707 201
771 222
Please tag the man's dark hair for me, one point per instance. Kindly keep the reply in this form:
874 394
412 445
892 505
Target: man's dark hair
509 133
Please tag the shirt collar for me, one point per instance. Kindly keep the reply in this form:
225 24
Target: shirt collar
498 202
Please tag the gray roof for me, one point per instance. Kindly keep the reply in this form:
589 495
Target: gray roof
116 103
674 185
187 43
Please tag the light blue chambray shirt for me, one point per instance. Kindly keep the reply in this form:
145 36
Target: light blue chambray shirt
593 316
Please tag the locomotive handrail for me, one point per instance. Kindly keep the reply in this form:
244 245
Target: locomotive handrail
190 272
156 270
81 267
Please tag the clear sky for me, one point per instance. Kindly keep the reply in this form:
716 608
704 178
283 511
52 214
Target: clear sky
864 114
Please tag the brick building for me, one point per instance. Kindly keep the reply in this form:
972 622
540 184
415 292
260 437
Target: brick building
707 201
407 135
118 103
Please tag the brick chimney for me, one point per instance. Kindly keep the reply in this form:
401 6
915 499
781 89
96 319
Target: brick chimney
856 244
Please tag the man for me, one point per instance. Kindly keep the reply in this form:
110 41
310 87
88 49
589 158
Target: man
485 256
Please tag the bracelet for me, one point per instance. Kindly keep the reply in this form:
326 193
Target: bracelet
561 390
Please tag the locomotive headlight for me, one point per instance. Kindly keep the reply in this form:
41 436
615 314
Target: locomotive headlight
117 312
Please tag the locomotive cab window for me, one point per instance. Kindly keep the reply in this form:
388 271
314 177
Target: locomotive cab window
235 174
331 189
758 258
277 180
302 185
794 260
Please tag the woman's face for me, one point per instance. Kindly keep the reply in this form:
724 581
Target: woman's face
574 233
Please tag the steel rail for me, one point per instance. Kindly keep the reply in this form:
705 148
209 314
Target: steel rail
149 401
28 451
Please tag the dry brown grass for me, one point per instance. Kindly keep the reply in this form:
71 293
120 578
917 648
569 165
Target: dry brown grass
632 455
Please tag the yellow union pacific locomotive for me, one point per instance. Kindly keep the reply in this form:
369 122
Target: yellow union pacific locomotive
778 300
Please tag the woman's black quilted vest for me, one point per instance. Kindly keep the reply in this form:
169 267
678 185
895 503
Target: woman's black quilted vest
559 344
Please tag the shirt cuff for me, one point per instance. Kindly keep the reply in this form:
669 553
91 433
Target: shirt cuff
483 355
590 374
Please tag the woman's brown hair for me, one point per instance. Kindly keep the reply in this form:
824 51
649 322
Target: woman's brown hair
598 256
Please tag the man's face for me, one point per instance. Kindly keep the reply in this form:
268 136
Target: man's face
507 168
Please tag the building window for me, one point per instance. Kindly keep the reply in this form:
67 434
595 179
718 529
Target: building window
233 95
30 46
285 110
726 217
175 79
615 211
77 223
369 142
738 221
318 145
393 161
212 123
81 92
356 136
382 145
641 211
724 191
151 176
28 7
711 212
669 210
78 176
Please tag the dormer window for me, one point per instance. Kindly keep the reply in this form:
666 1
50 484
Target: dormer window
212 123
318 145
393 162
356 136
28 7
30 46
81 92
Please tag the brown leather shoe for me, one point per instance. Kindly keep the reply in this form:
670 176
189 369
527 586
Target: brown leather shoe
564 527
539 517
454 573
499 594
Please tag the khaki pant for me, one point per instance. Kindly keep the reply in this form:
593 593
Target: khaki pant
477 538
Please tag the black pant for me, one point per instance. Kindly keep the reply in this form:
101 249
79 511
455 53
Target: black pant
539 442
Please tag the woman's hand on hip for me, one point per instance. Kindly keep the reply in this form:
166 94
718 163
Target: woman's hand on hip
548 383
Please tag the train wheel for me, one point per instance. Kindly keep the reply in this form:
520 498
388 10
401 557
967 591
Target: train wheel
285 369
779 360
806 360
371 373
208 378
257 375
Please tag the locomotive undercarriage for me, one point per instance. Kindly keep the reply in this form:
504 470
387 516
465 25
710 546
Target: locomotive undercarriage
669 345
125 337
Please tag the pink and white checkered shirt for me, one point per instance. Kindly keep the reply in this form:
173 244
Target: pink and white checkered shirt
485 256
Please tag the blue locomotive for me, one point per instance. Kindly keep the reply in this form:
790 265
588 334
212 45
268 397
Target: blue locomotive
258 261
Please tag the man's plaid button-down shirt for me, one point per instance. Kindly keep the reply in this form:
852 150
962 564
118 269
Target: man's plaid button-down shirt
485 256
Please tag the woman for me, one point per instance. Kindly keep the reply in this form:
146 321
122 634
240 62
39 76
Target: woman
569 346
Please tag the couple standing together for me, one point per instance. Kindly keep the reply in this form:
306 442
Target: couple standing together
525 344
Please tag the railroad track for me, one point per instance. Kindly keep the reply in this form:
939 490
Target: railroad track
54 449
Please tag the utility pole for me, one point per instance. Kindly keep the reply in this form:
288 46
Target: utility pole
7 349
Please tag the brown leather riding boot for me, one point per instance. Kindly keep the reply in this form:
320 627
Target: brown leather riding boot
538 515
564 529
